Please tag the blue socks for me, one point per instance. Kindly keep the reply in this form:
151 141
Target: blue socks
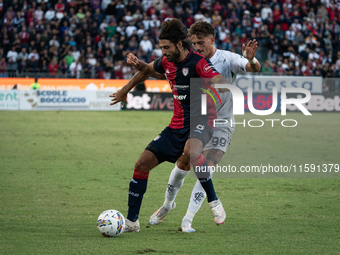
137 189
202 172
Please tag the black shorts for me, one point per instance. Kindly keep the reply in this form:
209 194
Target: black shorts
169 145
201 131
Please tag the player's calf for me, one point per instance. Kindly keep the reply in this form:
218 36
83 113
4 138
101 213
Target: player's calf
138 184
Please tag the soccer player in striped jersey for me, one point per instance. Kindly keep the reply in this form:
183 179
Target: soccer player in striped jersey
183 137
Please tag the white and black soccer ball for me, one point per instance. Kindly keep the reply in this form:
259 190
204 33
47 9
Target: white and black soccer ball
111 223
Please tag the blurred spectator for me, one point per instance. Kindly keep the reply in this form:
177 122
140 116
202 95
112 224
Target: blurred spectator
337 66
257 20
49 15
54 42
266 12
290 34
105 3
307 71
18 19
266 68
33 65
118 70
130 29
92 60
310 38
98 71
146 44
63 67
44 66
127 72
33 55
53 67
103 26
12 55
45 56
38 14
325 88
87 70
110 30
3 67
75 53
69 58
24 37
75 69
22 54
297 71
59 7
108 64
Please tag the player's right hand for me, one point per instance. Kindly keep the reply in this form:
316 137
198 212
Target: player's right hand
119 96
132 60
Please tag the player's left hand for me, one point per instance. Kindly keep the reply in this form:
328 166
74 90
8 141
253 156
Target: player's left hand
132 60
119 96
250 49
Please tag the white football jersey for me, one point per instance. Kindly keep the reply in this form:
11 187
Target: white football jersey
229 65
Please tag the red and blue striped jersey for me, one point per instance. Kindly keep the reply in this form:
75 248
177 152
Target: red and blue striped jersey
178 74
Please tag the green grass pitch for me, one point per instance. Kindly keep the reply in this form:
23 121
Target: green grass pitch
60 170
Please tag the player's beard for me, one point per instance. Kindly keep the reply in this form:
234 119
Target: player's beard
175 56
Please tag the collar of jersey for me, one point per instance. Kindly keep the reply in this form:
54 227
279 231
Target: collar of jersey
214 56
184 59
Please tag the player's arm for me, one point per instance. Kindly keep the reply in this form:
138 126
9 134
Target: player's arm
248 52
132 60
140 76
219 79
206 70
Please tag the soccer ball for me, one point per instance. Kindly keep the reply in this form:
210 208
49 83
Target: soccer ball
111 223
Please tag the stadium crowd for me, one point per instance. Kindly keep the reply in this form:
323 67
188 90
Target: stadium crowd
93 37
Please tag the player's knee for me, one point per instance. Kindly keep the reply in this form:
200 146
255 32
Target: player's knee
191 153
186 151
194 154
138 165
141 166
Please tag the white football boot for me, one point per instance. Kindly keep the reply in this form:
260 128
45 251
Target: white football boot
131 226
159 215
217 211
186 226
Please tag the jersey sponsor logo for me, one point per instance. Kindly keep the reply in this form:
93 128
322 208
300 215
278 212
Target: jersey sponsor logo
133 194
180 97
181 86
157 137
167 71
207 68
200 127
185 71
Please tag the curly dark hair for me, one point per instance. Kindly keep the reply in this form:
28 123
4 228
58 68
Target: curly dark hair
175 31
202 28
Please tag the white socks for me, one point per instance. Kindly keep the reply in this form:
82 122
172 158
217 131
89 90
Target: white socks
196 200
176 180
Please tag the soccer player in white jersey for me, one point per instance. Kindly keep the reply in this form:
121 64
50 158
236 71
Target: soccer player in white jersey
228 64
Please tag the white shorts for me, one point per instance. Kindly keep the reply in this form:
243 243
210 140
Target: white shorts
220 140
